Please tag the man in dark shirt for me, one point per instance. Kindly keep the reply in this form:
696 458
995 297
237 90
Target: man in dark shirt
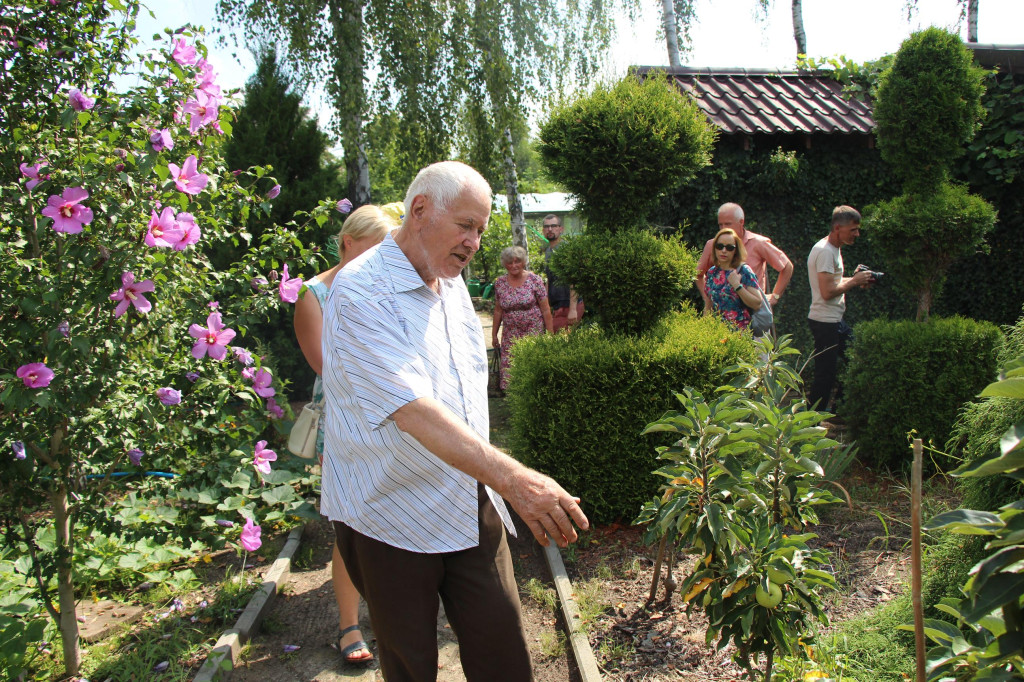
566 308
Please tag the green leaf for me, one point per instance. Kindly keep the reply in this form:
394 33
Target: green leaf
1012 387
999 590
966 522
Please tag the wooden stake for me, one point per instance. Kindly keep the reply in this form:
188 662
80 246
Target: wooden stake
915 559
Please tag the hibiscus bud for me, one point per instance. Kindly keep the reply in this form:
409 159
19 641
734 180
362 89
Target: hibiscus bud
19 449
121 153
135 457
64 328
258 283
225 523
236 173
274 191
119 167
273 275
344 206
192 376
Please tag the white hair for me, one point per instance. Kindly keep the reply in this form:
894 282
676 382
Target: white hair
735 209
443 182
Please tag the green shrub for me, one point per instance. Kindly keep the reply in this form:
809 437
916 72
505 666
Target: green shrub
908 375
979 429
928 107
629 279
919 236
579 402
621 147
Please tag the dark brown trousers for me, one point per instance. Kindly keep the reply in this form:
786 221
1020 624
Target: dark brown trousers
402 590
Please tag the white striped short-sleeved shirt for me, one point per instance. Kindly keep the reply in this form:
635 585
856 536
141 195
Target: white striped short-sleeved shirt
389 339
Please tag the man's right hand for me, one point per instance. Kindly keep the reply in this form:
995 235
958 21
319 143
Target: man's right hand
545 506
862 278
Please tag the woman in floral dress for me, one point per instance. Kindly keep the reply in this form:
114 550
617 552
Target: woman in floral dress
731 284
520 306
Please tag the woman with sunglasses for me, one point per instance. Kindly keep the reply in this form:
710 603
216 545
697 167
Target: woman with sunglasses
731 284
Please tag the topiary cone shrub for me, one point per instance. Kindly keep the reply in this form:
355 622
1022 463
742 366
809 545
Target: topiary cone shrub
579 403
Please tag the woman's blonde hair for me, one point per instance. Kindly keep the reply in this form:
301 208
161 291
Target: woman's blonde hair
739 256
366 221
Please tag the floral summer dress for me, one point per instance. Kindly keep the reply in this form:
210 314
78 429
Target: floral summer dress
521 316
320 291
724 300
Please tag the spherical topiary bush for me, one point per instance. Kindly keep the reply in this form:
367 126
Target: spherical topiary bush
633 278
920 235
621 147
929 106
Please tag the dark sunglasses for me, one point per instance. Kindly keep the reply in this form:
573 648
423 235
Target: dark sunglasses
728 247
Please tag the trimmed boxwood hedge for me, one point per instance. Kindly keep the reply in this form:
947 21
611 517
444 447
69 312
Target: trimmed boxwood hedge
907 375
579 402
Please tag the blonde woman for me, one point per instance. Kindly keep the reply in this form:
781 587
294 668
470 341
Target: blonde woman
364 228
730 284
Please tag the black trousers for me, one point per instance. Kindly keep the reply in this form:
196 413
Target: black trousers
481 600
830 342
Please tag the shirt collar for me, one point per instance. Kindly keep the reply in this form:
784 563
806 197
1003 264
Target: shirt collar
403 274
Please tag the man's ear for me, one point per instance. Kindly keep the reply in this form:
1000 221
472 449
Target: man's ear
419 206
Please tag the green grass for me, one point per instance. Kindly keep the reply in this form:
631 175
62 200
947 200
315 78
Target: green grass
542 594
552 644
133 652
590 600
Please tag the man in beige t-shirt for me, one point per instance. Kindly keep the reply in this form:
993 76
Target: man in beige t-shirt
828 302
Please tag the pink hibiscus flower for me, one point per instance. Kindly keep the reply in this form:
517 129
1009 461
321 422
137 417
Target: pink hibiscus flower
79 101
35 375
183 53
250 536
67 212
131 293
289 288
187 178
161 140
163 230
263 457
261 383
190 232
211 340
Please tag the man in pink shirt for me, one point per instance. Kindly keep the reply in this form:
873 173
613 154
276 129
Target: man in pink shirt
760 254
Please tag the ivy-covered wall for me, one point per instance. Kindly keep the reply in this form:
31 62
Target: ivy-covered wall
788 192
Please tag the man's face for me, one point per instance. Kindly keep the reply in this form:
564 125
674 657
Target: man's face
552 229
450 238
728 219
848 233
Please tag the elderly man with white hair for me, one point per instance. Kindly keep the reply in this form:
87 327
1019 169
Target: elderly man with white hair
410 481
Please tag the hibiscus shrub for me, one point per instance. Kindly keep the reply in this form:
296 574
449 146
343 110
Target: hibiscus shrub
138 423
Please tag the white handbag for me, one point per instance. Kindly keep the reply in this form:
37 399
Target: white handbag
302 439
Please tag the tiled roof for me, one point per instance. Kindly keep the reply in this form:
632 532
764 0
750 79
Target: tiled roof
749 101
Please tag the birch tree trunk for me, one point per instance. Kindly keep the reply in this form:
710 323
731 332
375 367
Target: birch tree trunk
798 28
349 90
972 21
515 206
668 17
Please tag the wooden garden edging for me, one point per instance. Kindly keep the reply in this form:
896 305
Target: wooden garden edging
585 660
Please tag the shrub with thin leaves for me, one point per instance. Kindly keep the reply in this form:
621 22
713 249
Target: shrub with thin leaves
578 403
908 375
928 107
632 278
621 147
